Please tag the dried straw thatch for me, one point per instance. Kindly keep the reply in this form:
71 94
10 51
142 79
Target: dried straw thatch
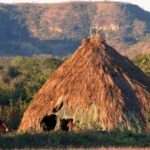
96 88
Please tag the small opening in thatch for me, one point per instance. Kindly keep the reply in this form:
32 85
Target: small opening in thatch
57 107
66 124
49 122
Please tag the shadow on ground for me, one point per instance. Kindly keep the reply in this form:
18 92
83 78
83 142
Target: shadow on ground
90 139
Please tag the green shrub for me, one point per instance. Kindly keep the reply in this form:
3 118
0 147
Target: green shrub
143 62
20 79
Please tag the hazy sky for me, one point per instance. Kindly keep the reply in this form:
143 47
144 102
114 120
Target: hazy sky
143 3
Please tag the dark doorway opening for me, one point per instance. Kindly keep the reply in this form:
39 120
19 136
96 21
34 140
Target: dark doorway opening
49 122
66 124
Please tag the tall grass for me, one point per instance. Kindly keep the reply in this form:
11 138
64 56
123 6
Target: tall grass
85 139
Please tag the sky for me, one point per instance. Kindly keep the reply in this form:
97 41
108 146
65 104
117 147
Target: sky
142 3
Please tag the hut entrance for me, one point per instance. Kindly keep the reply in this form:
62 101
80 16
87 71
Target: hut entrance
66 124
49 122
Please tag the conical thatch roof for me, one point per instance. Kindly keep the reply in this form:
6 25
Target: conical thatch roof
97 88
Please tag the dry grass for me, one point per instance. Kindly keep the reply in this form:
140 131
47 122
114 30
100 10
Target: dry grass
97 87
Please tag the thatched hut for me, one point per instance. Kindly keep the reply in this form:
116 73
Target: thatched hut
96 88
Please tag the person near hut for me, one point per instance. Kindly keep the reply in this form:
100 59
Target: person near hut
3 127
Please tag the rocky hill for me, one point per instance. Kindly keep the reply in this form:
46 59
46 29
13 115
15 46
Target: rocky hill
58 28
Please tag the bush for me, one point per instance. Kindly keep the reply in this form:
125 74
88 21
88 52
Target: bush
20 78
144 63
